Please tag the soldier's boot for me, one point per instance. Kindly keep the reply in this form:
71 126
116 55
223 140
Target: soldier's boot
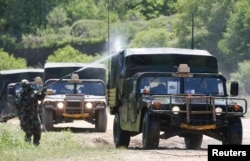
36 142
37 137
28 138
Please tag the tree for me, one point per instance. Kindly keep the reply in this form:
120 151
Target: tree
69 54
10 62
210 19
242 75
156 37
57 18
236 39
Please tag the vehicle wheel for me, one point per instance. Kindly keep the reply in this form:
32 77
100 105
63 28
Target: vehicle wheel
47 119
101 121
150 132
233 133
193 141
121 137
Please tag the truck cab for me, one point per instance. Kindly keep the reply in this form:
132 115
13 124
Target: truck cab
175 92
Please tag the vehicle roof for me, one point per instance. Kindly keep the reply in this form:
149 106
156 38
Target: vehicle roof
72 64
152 51
14 71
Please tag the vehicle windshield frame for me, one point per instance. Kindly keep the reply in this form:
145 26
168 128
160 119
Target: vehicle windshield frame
179 85
93 87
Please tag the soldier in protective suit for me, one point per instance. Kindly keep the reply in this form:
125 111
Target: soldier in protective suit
29 113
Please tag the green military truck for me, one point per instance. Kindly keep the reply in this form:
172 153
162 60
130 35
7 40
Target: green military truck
75 91
166 92
9 86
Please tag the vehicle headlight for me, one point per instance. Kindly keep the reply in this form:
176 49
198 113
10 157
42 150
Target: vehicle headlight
176 110
89 105
60 105
218 110
39 102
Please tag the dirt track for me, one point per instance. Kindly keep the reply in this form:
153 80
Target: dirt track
171 149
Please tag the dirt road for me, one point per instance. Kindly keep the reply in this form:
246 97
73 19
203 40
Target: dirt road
170 149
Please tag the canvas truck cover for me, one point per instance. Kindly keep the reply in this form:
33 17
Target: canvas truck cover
16 75
58 70
133 60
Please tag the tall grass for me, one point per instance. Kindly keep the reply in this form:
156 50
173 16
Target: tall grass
63 145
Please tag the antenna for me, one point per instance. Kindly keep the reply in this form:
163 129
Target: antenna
108 44
192 43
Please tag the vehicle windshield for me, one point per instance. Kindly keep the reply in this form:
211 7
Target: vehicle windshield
16 88
174 85
87 88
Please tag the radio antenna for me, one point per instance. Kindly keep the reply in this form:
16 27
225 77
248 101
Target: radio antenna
192 43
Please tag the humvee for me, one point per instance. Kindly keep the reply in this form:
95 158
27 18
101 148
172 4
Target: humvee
9 86
80 96
166 92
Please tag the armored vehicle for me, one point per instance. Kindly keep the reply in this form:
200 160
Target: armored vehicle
166 92
75 91
9 86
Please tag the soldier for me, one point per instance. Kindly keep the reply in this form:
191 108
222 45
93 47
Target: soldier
29 117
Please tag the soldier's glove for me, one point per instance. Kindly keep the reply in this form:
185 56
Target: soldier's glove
44 90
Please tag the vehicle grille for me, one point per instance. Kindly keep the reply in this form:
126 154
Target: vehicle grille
200 114
73 107
74 104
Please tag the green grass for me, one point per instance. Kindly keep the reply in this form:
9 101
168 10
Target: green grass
56 146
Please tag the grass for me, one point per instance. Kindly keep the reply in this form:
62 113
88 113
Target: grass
56 146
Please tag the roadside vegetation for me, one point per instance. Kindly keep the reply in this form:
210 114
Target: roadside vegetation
55 146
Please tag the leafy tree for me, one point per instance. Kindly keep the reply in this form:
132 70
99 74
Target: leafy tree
57 18
236 40
156 37
151 8
242 75
69 54
210 17
10 62
86 29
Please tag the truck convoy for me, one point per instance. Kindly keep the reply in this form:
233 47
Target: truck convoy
166 92
10 85
75 91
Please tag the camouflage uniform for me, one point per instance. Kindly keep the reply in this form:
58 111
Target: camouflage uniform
29 118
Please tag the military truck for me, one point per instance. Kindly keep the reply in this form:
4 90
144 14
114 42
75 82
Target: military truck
166 92
75 91
13 91
9 85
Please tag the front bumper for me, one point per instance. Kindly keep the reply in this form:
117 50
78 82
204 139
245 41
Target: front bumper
196 112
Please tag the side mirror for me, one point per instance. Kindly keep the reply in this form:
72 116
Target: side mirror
234 89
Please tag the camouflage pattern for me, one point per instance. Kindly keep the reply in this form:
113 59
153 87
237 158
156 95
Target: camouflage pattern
30 122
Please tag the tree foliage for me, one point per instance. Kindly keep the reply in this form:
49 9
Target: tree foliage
242 76
156 37
236 39
69 54
10 62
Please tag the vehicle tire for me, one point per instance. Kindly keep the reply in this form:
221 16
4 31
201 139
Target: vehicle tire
150 132
47 119
233 133
121 137
101 121
193 141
